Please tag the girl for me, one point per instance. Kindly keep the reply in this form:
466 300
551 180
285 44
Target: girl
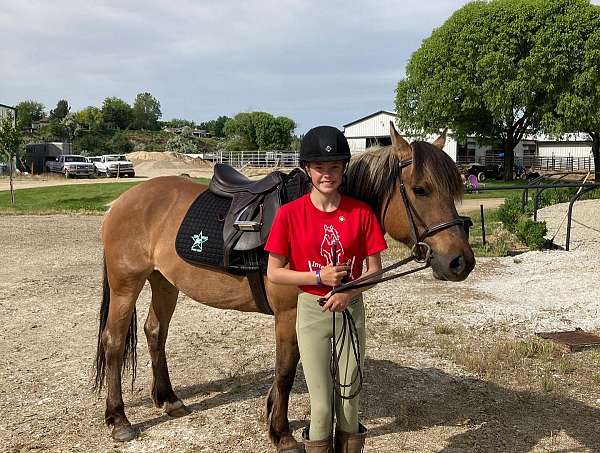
324 237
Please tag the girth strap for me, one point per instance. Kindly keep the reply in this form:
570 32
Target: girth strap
257 286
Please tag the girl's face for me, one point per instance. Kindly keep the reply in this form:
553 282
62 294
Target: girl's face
326 176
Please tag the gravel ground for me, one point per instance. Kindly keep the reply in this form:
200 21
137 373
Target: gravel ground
221 363
585 226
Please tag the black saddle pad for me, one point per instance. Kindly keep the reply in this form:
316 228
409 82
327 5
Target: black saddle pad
200 237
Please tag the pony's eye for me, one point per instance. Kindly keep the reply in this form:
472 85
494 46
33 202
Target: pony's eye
420 191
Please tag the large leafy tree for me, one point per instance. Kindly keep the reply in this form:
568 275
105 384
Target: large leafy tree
28 112
260 130
90 118
216 127
117 113
494 69
578 107
61 111
146 112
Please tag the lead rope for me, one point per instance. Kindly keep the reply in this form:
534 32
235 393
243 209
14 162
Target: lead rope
337 344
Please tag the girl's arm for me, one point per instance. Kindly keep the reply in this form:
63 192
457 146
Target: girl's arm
278 273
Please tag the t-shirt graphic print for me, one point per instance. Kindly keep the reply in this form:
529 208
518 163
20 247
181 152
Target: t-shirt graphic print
332 251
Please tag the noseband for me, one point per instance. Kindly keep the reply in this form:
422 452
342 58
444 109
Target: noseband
421 250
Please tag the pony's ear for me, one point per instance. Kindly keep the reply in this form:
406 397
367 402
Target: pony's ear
441 140
399 145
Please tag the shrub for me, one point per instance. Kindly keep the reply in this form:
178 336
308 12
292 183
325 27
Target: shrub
509 213
531 233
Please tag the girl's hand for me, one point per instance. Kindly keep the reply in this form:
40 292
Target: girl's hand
333 275
338 302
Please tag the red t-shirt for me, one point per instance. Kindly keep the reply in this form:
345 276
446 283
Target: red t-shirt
309 237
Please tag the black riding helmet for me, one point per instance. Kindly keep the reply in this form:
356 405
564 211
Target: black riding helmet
324 144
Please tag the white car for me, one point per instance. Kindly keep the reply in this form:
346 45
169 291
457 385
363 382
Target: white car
71 165
113 165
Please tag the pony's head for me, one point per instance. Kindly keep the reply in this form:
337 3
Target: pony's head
425 212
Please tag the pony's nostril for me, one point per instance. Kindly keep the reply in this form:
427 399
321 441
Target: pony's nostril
457 264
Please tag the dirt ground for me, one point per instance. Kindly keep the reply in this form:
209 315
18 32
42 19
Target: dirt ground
419 394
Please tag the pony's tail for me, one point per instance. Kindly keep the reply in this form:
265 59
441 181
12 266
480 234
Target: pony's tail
129 354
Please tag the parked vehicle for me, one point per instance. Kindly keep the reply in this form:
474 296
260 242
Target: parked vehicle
113 165
483 172
71 165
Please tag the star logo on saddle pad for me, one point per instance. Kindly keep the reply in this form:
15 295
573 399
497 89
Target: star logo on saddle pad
328 148
199 239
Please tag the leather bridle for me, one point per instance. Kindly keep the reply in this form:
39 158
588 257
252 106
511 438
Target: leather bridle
420 250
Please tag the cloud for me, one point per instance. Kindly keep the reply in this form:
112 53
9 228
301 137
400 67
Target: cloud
314 61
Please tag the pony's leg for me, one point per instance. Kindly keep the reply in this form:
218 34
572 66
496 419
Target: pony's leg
122 304
287 357
164 299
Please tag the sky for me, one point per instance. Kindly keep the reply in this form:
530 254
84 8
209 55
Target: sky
317 62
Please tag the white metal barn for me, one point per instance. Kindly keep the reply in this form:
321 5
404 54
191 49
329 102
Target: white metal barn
374 129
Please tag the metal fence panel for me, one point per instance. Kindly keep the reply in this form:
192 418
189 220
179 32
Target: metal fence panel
269 159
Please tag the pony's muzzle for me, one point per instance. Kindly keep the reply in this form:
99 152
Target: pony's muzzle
454 268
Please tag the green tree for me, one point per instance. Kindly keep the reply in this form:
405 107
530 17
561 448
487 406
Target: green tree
90 118
55 131
176 122
216 127
120 144
146 112
93 144
10 143
578 107
260 130
183 143
61 111
493 70
117 113
241 129
28 112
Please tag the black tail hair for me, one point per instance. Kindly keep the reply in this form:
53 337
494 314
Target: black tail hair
129 354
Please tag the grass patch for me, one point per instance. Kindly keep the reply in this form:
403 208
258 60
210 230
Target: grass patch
81 198
502 356
596 378
496 193
566 366
403 335
548 384
442 329
498 239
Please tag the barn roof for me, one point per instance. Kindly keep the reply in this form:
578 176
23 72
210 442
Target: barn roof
369 116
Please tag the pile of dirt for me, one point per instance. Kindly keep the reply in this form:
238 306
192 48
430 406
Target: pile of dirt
167 159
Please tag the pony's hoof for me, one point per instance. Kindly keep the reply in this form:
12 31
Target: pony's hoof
177 409
289 445
124 433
